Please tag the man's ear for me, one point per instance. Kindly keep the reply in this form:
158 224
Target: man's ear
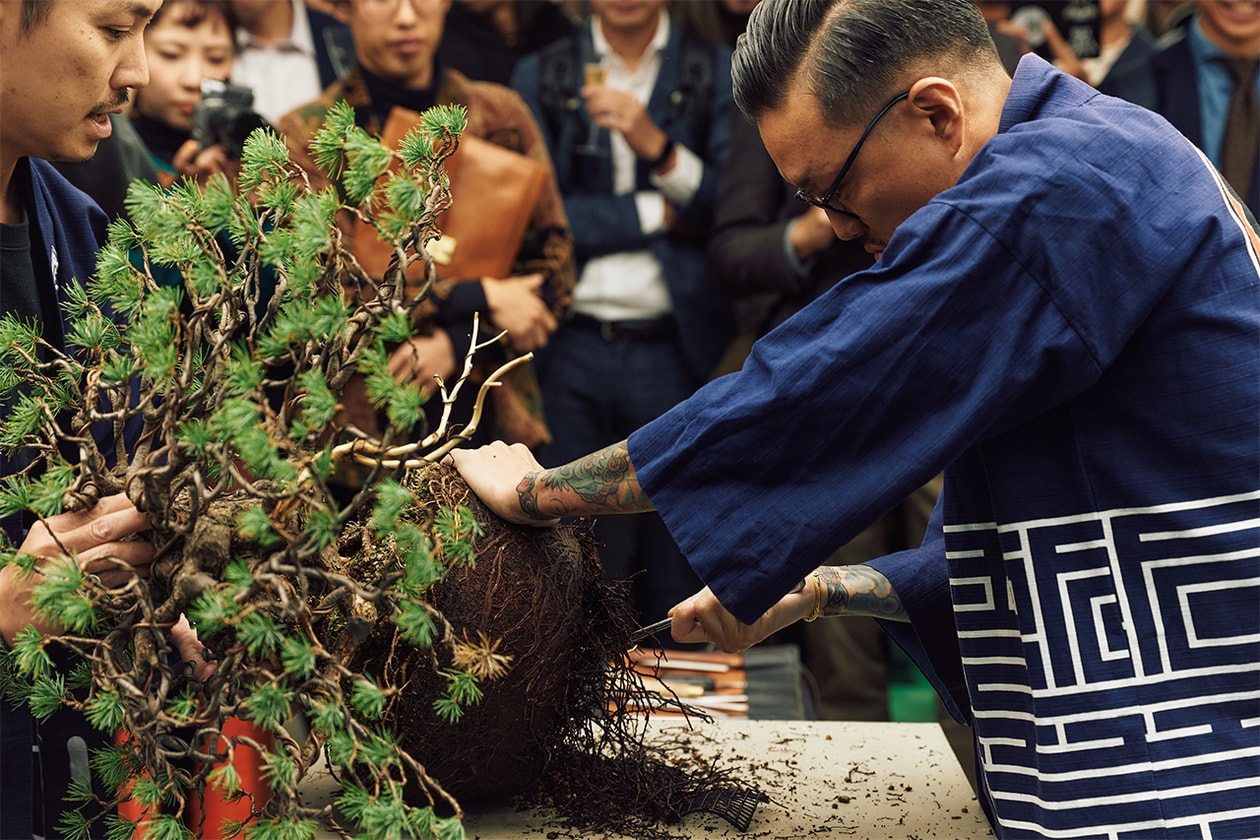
941 102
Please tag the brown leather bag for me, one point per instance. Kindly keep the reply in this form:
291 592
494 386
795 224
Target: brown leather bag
493 193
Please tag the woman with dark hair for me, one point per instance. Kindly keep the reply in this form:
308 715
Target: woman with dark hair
189 44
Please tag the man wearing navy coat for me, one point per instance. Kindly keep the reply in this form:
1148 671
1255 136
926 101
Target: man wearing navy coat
49 235
1062 317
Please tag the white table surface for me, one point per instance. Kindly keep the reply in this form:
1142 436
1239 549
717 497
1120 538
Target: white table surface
827 779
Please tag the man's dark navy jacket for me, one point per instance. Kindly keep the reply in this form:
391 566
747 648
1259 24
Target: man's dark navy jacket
67 229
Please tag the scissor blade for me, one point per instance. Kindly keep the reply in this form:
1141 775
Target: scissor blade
651 629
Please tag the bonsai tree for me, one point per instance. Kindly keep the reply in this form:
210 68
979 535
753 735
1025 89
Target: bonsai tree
220 391
433 652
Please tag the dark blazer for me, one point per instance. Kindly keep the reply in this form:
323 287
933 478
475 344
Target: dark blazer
603 223
1167 83
746 250
334 48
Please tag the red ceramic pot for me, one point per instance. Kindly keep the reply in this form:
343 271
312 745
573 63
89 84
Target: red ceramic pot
209 816
129 809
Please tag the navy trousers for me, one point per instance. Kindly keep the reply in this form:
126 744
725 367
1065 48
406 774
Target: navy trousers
597 388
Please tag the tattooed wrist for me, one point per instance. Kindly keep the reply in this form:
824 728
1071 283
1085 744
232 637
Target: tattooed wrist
527 496
602 482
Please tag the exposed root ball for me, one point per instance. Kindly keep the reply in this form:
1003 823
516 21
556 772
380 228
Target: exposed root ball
534 598
548 637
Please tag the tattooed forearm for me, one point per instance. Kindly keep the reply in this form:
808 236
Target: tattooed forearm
602 482
860 590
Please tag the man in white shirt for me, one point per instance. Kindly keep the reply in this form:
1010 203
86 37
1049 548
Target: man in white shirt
287 53
637 155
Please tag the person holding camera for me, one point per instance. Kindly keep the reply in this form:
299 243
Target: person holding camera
192 121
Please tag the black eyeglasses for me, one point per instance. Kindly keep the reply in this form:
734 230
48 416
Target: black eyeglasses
825 201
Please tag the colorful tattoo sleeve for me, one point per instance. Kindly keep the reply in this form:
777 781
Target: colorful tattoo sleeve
860 590
602 482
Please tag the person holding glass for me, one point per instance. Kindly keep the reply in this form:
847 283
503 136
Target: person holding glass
637 156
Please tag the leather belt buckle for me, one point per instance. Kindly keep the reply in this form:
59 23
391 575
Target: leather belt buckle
647 329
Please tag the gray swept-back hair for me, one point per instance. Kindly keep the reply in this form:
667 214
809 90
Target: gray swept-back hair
852 54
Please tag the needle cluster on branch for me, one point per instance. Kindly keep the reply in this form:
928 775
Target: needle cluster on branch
200 375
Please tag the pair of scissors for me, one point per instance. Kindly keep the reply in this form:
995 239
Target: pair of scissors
656 627
650 630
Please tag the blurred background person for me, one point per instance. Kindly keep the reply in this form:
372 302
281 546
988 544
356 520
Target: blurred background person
188 43
1123 38
1205 79
396 44
636 111
287 52
483 39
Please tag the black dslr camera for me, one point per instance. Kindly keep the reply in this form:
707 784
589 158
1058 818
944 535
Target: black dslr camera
225 116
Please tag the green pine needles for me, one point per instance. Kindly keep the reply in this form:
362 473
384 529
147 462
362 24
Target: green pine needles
201 375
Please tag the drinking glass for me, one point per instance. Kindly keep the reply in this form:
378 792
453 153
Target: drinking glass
593 73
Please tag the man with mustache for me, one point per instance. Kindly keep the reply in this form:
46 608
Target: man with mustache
49 234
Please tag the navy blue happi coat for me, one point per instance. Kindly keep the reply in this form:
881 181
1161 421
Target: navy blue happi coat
1072 334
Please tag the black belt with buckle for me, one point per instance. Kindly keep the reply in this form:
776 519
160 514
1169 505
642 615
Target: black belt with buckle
644 329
